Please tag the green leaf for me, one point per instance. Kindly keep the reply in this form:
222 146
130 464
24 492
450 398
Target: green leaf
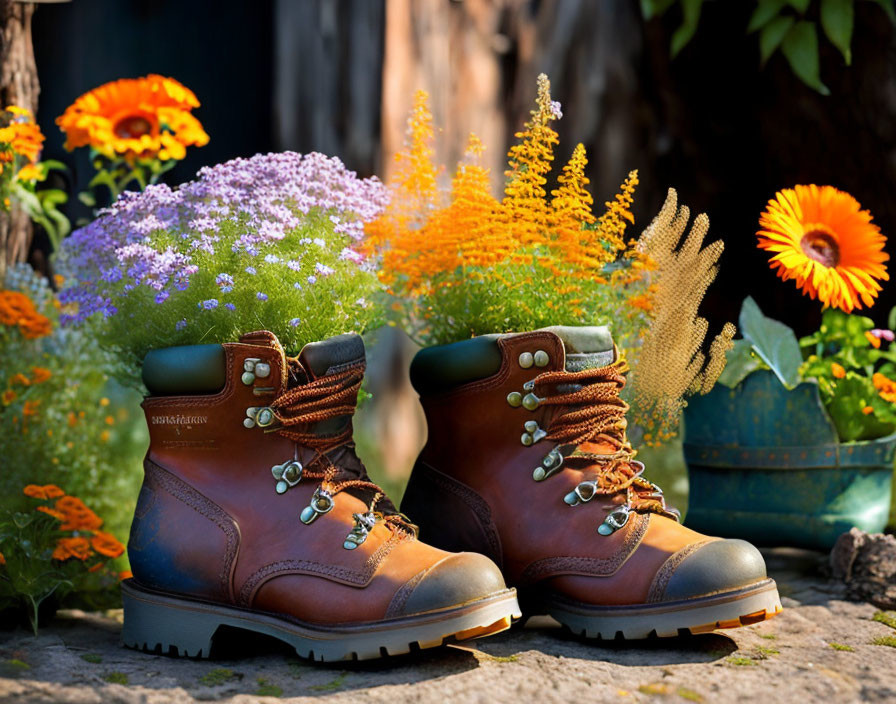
891 319
691 11
800 46
654 8
87 198
764 12
772 35
887 6
851 395
799 5
773 341
740 362
837 23
54 165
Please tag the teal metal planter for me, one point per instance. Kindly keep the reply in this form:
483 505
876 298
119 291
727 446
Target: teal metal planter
765 465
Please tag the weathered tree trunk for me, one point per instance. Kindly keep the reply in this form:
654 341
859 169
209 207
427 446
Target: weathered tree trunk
327 71
18 86
453 51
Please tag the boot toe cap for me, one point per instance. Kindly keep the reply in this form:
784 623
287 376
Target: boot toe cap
453 581
717 566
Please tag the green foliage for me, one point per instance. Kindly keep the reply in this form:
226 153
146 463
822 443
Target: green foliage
218 676
263 293
266 689
888 618
853 370
773 342
86 434
782 24
116 678
800 48
842 646
41 206
29 576
840 356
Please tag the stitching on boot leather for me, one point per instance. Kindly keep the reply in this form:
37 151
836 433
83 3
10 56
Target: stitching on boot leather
664 574
359 578
402 595
187 495
591 566
474 502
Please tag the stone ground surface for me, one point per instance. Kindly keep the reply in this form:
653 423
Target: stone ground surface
821 648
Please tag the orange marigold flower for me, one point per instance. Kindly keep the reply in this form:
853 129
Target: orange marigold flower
77 515
823 240
867 410
837 370
885 386
59 515
873 340
31 172
8 397
30 408
135 118
20 379
40 374
22 135
66 548
2 559
35 492
16 309
641 302
106 544
47 491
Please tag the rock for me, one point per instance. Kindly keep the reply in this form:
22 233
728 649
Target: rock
867 564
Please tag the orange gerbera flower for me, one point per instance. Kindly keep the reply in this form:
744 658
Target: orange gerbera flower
824 240
106 544
135 118
66 548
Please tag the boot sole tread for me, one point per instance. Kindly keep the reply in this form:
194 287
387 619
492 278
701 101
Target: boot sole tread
172 625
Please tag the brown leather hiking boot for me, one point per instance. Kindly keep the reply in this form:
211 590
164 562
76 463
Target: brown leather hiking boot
527 462
257 514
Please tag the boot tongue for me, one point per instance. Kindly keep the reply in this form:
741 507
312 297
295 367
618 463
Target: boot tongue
586 347
332 355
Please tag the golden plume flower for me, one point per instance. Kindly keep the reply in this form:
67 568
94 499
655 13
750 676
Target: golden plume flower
135 118
530 159
669 365
822 239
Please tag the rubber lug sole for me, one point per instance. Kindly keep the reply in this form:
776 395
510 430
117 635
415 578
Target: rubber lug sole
743 607
163 623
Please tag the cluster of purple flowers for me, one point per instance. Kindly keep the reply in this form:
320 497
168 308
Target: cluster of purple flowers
267 196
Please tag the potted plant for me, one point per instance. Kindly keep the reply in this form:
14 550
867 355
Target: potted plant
795 444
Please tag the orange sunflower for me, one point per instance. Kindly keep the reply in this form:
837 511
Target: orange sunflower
135 118
823 240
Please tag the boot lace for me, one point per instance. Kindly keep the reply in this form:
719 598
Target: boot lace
591 411
335 464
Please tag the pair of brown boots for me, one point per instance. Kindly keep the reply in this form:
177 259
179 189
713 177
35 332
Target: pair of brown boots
256 513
